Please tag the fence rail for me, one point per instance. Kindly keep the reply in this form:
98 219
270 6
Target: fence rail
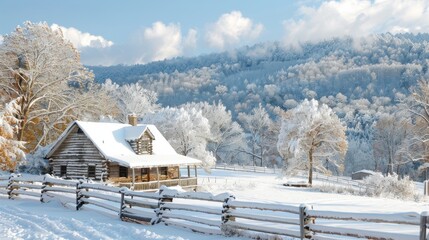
215 214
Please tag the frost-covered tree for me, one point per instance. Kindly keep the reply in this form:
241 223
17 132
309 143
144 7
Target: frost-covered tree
43 70
257 126
226 135
417 105
11 150
131 98
186 130
312 137
389 134
359 156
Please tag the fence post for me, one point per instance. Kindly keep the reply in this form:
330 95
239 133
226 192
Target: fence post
423 225
225 215
9 185
10 188
79 202
161 200
304 220
122 207
43 189
426 187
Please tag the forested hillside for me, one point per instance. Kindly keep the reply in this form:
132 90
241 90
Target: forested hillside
359 78
378 68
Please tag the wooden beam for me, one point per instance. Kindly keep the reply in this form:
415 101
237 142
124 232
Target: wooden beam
134 176
180 177
195 168
189 171
157 176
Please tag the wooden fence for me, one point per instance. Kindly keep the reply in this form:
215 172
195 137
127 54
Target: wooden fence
217 214
247 168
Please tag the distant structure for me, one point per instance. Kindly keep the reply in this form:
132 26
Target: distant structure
132 155
360 175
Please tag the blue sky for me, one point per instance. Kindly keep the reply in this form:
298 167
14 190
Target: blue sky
112 32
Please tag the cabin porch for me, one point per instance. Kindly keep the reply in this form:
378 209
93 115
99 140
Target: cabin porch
153 177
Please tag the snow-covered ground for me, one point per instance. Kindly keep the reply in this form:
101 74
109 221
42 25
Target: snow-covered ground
29 219
269 188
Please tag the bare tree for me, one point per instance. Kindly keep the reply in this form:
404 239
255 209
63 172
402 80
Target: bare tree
310 135
131 98
226 135
389 134
186 130
43 70
11 151
257 125
417 105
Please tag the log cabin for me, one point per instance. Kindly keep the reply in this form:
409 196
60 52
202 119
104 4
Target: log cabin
131 155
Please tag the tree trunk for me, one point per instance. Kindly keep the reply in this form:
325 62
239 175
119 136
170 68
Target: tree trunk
253 155
310 168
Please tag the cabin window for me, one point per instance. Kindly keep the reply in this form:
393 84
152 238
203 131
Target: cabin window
163 170
145 171
79 131
63 171
123 172
146 146
91 171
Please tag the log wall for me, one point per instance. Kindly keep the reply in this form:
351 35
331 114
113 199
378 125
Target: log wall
143 145
77 152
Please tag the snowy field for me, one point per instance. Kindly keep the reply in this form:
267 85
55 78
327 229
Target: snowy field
30 219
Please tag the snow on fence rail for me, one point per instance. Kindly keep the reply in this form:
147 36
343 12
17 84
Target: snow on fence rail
282 219
198 211
397 220
215 214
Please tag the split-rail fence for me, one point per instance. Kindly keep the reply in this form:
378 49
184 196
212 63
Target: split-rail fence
215 214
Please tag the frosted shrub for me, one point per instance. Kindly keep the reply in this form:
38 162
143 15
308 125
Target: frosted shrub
390 187
35 162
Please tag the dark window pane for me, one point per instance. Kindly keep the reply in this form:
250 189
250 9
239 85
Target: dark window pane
63 171
91 171
123 171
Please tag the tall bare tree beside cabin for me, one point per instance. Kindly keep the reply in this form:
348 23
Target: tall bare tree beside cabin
43 70
312 137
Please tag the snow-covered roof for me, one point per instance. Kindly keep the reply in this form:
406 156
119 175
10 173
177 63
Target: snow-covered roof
366 171
111 140
135 132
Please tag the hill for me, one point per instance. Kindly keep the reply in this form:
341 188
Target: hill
376 68
360 78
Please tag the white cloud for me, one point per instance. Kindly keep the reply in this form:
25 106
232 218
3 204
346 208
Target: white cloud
357 18
165 41
1 39
158 42
230 29
81 40
190 41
